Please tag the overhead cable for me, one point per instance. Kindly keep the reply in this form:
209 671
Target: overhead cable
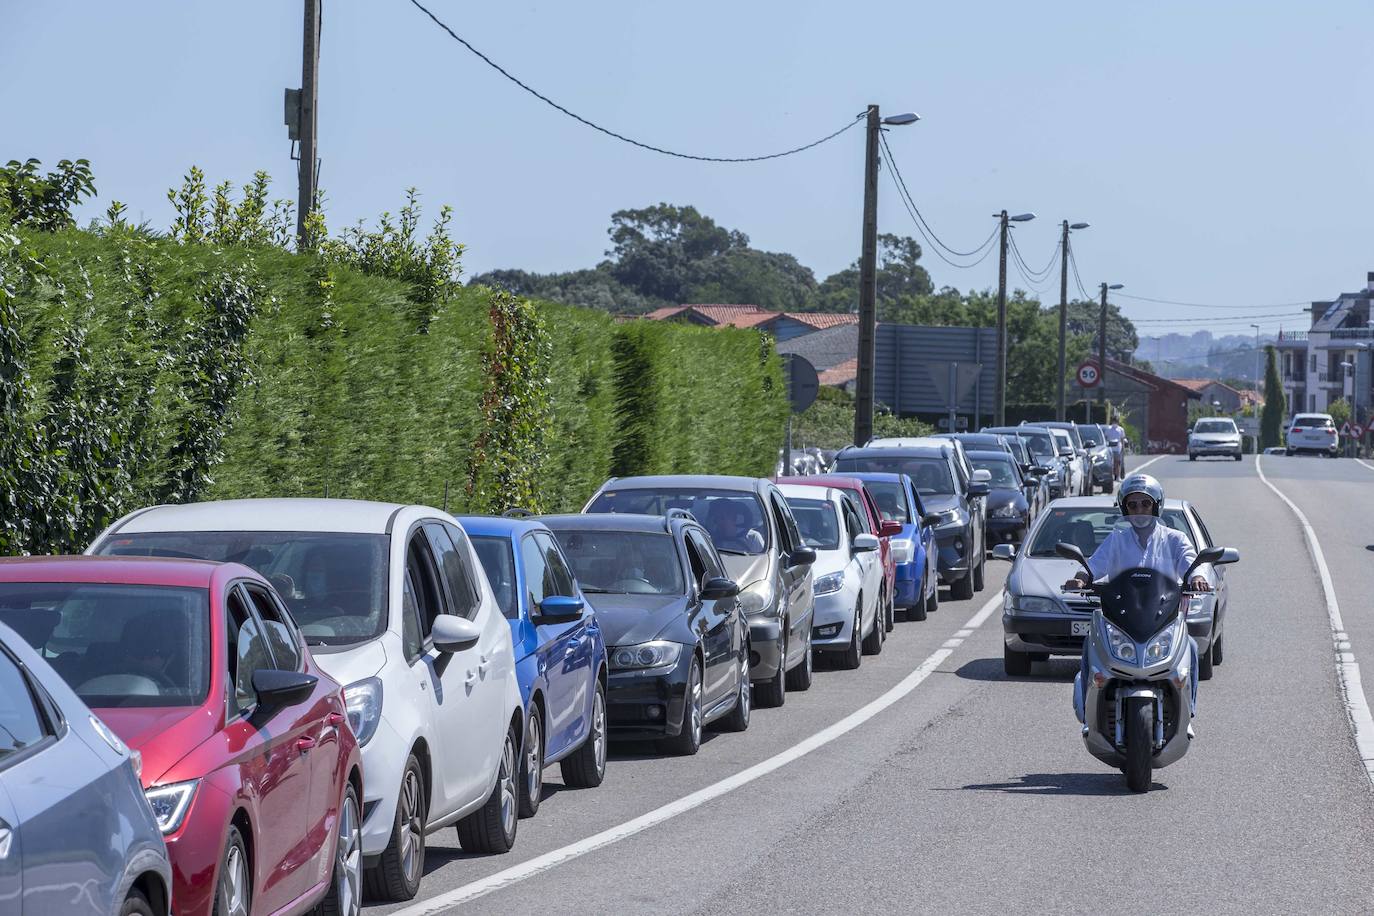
1207 305
987 248
916 212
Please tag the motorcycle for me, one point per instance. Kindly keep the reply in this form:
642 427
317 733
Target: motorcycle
1138 675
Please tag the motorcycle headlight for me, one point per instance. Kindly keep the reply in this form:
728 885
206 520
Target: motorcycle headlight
1007 511
363 703
1033 604
656 654
903 551
1162 646
1120 644
828 584
757 597
170 803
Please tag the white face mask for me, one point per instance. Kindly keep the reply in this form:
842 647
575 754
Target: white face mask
1141 521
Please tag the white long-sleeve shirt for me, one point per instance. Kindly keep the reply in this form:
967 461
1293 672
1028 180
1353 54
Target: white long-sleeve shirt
1166 550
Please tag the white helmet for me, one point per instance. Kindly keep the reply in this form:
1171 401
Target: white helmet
1140 483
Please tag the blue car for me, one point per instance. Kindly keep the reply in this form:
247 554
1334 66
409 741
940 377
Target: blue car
76 832
918 576
560 654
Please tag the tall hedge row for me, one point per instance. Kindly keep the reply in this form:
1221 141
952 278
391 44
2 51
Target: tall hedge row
136 369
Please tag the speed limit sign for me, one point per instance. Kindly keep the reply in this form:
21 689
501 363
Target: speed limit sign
1088 376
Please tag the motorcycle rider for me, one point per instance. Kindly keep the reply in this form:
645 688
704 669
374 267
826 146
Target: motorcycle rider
1145 544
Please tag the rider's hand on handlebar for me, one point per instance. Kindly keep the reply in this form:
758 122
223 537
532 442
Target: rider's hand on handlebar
1077 583
1199 584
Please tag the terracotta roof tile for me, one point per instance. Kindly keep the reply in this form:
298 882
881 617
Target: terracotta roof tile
840 374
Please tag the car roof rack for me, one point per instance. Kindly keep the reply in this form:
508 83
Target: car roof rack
517 512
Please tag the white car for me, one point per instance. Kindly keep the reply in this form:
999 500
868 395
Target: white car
1312 432
848 574
1214 436
394 604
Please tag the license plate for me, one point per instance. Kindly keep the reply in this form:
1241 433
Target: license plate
1079 627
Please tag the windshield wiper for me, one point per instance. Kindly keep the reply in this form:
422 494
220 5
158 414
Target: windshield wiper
737 553
592 589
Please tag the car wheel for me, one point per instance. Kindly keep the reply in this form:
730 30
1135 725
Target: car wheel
1237 457
852 656
234 889
1191 457
978 573
491 828
933 602
738 719
889 614
1288 452
773 692
397 876
918 610
688 741
1016 664
532 765
586 767
963 588
799 678
136 905
873 642
345 895
1216 650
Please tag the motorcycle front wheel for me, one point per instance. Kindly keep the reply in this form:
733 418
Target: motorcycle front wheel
1140 726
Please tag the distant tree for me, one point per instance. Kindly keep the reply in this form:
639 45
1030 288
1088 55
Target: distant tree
1122 340
899 280
1275 406
43 202
1340 411
658 251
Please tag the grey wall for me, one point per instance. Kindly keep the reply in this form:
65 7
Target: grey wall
902 381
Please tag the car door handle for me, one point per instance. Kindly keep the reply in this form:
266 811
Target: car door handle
470 679
482 666
305 744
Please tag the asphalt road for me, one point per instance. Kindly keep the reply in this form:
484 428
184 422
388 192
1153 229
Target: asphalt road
955 788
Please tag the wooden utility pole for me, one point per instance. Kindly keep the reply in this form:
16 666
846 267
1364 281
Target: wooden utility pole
1000 402
868 288
1102 352
1061 412
307 173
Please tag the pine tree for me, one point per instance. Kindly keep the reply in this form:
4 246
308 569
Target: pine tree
1271 419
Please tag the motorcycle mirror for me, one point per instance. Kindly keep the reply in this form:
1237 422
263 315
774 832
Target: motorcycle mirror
1217 556
1071 552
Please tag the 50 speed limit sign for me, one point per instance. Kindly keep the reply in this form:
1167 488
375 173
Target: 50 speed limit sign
1088 376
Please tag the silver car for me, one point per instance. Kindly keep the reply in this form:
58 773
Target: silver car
1040 620
1214 436
76 832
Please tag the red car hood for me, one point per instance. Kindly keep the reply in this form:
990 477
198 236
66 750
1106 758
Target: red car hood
162 734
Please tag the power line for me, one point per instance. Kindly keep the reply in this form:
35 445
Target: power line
1040 275
1073 261
607 131
986 248
1207 305
1214 319
921 220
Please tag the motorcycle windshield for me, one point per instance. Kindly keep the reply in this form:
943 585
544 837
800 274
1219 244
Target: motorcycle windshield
1140 602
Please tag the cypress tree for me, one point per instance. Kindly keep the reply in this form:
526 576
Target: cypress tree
1271 419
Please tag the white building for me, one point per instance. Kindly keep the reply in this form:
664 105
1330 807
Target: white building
1331 359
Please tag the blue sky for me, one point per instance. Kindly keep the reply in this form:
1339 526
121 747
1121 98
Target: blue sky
1219 149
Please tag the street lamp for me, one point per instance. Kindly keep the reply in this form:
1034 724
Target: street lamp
1064 311
1102 345
868 275
1257 360
1000 407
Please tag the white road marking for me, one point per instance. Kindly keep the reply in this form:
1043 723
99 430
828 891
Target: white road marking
1137 470
1347 669
1365 463
539 864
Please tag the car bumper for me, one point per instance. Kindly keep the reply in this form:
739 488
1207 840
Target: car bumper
953 560
384 760
1051 633
1201 630
646 704
906 593
1204 449
1007 529
1104 474
1325 448
765 646
832 622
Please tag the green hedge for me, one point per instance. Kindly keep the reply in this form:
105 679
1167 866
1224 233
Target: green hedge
136 369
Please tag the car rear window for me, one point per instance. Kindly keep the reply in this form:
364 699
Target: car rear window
1313 422
1092 436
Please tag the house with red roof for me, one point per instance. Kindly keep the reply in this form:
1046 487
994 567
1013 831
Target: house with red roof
782 325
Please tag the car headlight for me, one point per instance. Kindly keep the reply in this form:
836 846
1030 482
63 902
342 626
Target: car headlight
828 584
1034 604
363 703
658 653
170 803
1198 608
1120 644
903 551
1162 646
1007 511
949 519
757 597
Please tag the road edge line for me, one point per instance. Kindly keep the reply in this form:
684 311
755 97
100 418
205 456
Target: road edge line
549 860
1347 668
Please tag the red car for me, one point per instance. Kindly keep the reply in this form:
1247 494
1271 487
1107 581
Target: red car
885 530
247 758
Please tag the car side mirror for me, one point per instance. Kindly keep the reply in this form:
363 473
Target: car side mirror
1004 552
276 689
865 542
889 529
802 556
718 587
1071 552
933 519
454 634
560 609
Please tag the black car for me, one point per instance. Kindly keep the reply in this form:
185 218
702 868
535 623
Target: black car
676 639
1032 475
984 441
945 491
1040 443
1100 453
1008 508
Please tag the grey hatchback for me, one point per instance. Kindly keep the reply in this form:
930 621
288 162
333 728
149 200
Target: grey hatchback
753 529
76 832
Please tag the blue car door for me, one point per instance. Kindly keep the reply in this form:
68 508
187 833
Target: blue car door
565 656
11 855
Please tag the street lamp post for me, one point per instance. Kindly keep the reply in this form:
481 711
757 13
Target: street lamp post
1257 364
1000 405
868 277
1064 312
1102 346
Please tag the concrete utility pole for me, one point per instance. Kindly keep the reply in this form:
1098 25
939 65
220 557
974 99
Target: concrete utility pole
307 172
868 288
999 411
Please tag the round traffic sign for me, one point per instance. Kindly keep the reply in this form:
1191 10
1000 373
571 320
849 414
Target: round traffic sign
1357 430
1088 376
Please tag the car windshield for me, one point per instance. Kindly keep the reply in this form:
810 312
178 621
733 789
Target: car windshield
891 499
1313 422
1214 426
498 562
623 562
930 476
117 645
819 524
1092 436
1062 440
333 584
1002 474
734 518
1086 528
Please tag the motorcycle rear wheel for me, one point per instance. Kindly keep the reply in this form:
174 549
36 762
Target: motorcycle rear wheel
1139 744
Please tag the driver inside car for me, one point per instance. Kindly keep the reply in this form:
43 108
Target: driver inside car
1143 544
729 528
